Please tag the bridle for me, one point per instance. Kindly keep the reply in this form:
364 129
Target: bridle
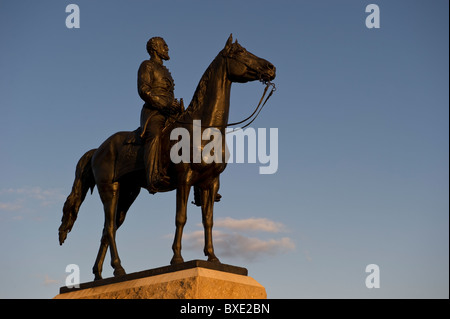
259 107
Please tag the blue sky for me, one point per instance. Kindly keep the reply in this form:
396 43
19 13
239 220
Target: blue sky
362 118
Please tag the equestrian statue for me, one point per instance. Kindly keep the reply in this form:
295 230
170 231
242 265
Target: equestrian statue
128 161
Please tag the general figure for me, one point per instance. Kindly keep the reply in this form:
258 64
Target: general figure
156 88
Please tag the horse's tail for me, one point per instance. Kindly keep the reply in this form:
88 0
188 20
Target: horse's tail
84 179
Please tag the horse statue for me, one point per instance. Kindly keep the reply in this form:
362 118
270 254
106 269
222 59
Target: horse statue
117 166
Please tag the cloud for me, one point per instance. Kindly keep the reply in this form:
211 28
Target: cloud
307 255
251 248
37 193
251 224
10 206
48 281
237 244
25 201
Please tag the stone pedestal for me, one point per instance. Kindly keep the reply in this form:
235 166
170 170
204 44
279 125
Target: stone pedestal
191 280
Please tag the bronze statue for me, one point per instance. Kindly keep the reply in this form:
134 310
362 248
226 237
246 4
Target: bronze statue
155 87
117 167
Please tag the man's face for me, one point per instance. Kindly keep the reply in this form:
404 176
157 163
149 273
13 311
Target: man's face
162 50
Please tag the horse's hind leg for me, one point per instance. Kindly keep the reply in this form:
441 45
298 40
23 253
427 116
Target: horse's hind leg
109 194
98 266
126 198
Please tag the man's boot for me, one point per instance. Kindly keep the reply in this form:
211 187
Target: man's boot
156 177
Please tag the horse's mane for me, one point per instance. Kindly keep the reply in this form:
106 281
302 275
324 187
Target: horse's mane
200 91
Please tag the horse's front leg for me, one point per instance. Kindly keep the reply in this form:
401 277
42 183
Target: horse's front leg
208 197
180 221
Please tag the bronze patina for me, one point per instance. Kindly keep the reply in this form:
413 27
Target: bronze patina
129 161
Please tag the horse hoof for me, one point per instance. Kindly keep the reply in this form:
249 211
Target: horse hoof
214 259
177 260
98 277
119 272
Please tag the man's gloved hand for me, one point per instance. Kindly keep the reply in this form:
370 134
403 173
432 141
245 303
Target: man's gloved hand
176 107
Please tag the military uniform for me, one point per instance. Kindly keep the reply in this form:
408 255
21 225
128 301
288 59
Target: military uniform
156 88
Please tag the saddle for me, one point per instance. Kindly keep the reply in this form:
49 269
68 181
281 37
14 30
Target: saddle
131 156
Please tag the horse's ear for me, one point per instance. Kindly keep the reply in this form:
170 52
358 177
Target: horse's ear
230 40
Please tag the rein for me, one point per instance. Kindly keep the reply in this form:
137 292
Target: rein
268 83
257 110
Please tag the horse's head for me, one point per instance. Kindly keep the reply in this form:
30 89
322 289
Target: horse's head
244 66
